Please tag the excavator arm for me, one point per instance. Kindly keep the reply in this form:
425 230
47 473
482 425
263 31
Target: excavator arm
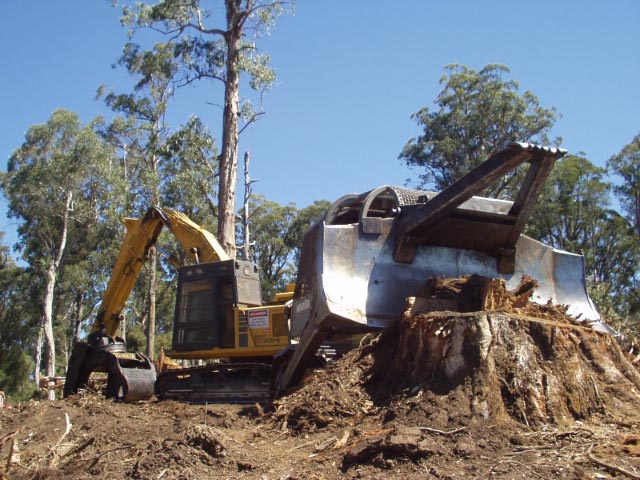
131 376
142 233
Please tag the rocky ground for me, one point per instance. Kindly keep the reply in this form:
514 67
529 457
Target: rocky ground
499 393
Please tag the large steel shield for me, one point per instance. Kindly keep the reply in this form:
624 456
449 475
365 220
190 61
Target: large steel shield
373 250
349 279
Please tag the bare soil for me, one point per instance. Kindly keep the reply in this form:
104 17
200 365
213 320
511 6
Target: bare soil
503 393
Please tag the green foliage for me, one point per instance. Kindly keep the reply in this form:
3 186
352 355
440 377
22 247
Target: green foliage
58 185
626 165
574 215
200 39
142 132
188 172
18 319
17 365
476 115
136 340
57 158
303 221
277 232
573 198
220 48
270 224
162 167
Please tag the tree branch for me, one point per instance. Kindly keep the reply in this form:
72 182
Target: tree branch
252 120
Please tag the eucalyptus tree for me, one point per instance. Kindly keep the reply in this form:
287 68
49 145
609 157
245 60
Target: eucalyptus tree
219 48
142 130
575 195
575 215
17 328
477 113
142 133
305 218
189 172
53 183
162 166
271 224
277 234
612 255
626 164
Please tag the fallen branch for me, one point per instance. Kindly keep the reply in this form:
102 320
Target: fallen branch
442 432
96 459
6 437
79 448
67 430
300 447
612 467
326 444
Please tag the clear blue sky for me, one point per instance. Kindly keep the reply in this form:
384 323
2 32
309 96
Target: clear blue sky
350 74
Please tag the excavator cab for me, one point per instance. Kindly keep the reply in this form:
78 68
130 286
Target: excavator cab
207 296
221 322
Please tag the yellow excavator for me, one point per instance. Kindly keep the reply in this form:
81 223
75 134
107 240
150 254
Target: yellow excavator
219 316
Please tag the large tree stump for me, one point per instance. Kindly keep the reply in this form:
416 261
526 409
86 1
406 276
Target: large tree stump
530 369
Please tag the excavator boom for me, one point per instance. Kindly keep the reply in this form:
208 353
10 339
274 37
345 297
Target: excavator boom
131 376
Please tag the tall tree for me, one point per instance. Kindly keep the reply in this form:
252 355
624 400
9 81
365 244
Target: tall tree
626 165
277 234
188 172
271 223
477 114
50 183
220 49
574 197
162 166
303 221
575 216
143 133
18 326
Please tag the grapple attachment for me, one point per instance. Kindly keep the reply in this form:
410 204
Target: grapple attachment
131 375
373 250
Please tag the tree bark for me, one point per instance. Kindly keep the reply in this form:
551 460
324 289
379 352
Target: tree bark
246 240
51 276
47 320
228 164
151 321
38 359
77 321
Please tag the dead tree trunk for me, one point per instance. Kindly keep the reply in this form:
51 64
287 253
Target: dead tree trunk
51 275
151 321
246 245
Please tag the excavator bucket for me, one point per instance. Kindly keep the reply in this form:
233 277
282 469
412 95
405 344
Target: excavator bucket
130 376
372 251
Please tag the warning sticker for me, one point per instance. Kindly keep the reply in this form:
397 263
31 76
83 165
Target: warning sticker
259 319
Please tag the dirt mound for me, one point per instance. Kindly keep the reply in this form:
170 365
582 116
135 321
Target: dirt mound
515 366
473 394
506 392
512 360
